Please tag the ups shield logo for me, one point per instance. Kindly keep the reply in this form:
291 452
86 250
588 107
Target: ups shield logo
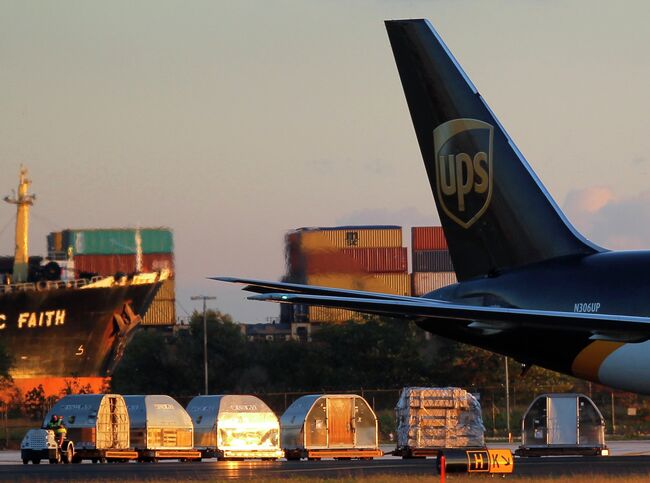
463 163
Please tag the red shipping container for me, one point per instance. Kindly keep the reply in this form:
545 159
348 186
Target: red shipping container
358 260
428 238
106 265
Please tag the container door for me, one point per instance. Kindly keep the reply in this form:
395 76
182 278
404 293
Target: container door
535 423
562 421
339 421
365 425
591 427
315 426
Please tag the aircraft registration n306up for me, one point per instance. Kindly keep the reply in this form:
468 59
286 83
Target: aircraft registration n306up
529 285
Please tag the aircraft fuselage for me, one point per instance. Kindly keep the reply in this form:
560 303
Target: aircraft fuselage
614 282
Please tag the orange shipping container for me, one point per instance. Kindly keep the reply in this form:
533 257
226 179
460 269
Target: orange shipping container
350 237
428 238
391 283
425 282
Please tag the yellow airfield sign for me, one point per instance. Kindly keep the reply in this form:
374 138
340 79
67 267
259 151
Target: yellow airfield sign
501 461
490 461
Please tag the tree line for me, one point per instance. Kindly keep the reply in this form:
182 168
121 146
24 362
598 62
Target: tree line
378 353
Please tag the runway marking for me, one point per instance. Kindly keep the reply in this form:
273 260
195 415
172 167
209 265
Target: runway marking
335 468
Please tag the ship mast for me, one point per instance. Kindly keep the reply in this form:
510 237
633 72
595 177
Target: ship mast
23 201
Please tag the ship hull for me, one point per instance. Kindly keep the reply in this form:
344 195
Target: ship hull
70 332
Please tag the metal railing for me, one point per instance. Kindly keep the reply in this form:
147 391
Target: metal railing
48 285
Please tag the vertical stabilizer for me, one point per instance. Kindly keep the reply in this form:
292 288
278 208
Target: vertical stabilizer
495 213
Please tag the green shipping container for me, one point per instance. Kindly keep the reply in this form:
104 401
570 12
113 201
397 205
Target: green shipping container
157 240
118 241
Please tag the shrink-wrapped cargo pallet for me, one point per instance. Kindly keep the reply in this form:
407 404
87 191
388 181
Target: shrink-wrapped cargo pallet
433 418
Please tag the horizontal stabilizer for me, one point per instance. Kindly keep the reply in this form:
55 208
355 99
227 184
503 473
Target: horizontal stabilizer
487 320
426 308
264 286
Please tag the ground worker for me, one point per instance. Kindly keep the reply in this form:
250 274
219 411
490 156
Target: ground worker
53 422
56 425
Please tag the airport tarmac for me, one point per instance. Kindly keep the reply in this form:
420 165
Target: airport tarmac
628 458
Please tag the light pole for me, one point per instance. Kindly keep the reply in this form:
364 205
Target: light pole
508 403
205 337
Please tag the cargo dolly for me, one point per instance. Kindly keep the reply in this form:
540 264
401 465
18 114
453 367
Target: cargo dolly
408 452
155 455
104 455
338 454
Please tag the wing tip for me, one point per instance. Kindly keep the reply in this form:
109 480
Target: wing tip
225 279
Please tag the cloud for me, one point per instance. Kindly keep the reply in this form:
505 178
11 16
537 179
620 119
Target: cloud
588 200
617 222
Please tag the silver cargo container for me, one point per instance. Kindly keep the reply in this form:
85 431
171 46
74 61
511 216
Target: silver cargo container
159 423
323 425
562 424
235 427
94 421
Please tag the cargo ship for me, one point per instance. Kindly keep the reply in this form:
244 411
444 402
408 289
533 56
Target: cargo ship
57 329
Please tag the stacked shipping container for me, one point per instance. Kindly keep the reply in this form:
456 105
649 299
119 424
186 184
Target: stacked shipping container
119 241
107 252
432 266
368 258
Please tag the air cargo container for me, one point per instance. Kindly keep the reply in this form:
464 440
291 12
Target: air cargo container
562 424
97 425
357 260
425 282
430 419
328 238
160 428
330 426
235 427
432 261
428 238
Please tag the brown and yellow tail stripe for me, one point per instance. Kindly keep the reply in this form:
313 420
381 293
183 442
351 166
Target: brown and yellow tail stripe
587 363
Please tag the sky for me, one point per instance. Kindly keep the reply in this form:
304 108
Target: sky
233 122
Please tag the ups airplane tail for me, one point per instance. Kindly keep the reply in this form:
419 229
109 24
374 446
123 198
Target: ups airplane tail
527 280
495 212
